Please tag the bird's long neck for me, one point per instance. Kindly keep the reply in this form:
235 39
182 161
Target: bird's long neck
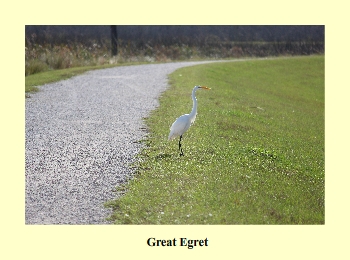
194 108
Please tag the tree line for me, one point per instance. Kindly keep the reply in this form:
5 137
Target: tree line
191 35
58 47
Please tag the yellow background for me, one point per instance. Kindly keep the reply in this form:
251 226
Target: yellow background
18 241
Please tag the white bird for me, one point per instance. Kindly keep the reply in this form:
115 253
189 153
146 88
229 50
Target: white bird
181 124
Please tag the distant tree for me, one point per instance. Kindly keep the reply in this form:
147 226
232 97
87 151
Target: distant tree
114 40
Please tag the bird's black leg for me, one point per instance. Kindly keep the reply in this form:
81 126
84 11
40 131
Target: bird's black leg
180 149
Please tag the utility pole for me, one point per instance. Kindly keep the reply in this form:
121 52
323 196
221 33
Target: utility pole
114 40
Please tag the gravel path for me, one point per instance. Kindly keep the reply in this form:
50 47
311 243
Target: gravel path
81 136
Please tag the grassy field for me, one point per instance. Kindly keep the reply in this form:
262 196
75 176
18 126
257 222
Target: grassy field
255 154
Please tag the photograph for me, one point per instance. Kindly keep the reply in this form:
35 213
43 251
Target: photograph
175 125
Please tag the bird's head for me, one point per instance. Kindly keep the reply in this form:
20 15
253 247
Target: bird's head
201 87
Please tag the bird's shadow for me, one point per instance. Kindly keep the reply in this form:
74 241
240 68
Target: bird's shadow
163 156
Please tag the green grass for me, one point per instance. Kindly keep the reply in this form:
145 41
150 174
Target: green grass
255 154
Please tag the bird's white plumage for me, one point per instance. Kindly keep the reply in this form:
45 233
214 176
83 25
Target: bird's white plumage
180 126
182 123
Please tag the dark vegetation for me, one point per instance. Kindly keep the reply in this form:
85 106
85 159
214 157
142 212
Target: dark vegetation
60 47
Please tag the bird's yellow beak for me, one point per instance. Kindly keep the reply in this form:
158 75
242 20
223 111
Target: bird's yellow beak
205 87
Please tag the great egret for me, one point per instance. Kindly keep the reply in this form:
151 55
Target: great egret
181 124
